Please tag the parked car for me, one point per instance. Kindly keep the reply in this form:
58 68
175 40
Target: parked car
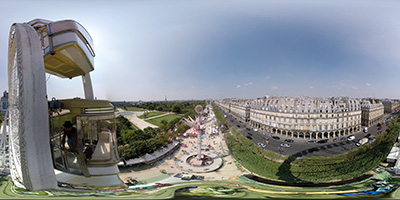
238 126
369 134
276 137
343 138
249 137
311 142
379 132
289 140
362 141
323 141
351 137
197 177
251 134
262 145
255 129
285 145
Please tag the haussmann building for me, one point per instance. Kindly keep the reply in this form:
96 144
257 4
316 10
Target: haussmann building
305 117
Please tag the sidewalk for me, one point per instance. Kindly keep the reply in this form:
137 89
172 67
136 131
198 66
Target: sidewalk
132 116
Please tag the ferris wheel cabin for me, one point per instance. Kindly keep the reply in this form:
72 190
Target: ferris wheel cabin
96 153
67 47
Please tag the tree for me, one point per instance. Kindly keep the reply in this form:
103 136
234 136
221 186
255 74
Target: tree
152 132
164 122
176 109
182 128
127 136
151 107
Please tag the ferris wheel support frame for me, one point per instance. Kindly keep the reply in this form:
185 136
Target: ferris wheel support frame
30 153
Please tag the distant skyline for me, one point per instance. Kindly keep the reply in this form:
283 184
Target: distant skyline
146 50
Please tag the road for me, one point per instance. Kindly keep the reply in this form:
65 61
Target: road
299 147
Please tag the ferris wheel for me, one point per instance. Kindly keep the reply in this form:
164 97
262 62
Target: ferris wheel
64 49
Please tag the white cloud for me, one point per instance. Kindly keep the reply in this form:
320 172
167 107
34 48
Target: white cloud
249 83
238 86
311 87
368 84
267 77
354 87
275 87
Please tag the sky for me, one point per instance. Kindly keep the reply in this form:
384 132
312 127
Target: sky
146 50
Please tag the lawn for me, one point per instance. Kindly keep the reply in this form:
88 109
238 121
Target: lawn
134 109
150 114
168 118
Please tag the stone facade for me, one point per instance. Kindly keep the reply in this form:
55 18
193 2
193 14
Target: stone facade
390 106
372 111
300 117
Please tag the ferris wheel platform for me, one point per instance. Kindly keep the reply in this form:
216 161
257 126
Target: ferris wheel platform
93 181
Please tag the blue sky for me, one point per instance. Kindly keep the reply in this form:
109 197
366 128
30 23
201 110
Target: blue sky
216 49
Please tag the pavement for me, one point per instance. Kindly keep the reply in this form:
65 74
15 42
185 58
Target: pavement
162 115
132 116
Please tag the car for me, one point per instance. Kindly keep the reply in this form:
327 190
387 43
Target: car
200 178
178 175
351 137
251 134
311 142
285 145
379 132
323 141
276 137
255 129
343 138
289 140
248 129
249 137
369 134
238 126
262 145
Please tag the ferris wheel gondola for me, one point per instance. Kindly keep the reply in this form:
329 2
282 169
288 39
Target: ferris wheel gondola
64 49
